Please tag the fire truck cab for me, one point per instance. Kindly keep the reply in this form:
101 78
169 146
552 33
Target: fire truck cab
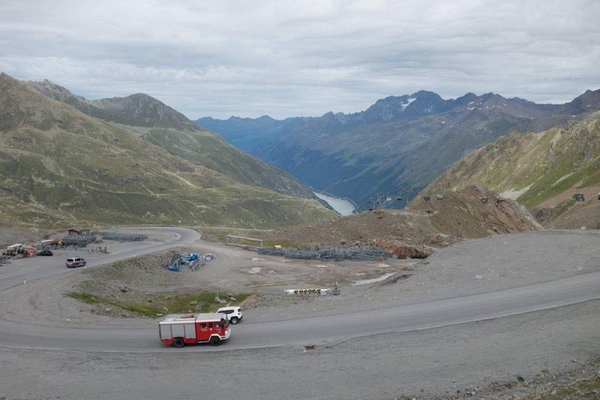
180 329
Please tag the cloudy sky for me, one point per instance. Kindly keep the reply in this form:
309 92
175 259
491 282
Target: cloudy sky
292 57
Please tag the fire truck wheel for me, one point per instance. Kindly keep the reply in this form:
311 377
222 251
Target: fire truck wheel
215 341
178 342
234 320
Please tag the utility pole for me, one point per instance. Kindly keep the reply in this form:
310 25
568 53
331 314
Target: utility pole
379 200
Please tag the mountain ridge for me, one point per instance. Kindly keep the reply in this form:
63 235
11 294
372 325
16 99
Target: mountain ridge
59 166
165 127
396 146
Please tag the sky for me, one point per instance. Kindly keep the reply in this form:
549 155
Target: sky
288 58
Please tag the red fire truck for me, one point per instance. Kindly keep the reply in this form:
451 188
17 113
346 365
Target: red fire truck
181 329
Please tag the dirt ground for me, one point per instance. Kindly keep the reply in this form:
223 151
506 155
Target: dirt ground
476 266
436 222
534 256
234 270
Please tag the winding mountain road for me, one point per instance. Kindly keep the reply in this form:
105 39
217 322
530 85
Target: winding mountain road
314 330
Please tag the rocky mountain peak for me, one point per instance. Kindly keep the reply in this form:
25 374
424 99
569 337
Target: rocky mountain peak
387 109
137 109
56 92
142 108
466 99
426 94
588 101
425 103
7 79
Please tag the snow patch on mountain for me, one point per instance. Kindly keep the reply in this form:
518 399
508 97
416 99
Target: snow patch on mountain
408 101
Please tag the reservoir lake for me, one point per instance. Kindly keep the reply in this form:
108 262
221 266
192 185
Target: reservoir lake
344 207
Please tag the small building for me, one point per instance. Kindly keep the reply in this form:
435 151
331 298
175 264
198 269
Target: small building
440 196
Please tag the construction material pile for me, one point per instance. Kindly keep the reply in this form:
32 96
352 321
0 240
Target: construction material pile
336 254
77 240
121 237
193 260
46 252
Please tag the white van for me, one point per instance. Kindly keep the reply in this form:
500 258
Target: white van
74 262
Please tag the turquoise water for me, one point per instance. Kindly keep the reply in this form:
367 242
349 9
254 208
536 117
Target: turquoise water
344 207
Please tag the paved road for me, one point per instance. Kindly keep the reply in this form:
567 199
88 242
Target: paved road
177 237
317 330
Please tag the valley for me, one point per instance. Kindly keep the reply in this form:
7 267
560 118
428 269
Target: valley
299 200
398 145
460 305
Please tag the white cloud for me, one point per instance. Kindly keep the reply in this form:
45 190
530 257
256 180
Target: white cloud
287 58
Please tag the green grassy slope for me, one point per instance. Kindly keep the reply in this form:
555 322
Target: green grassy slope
171 130
58 165
540 170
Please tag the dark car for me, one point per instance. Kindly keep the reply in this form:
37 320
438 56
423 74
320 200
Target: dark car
74 262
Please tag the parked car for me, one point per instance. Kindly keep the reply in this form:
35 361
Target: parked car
233 314
74 262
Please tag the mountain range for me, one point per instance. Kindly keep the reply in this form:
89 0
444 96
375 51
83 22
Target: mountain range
68 160
397 146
